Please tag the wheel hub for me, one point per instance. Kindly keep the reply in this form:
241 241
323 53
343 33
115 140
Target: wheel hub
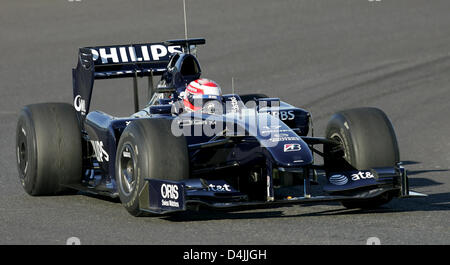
127 176
22 155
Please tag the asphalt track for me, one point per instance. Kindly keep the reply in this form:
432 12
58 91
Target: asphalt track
320 55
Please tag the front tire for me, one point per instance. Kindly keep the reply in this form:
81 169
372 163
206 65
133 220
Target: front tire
148 149
368 141
48 148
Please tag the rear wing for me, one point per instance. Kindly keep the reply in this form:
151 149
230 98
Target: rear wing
119 61
125 61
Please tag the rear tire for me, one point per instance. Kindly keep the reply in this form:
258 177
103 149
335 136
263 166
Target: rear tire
48 148
368 140
148 149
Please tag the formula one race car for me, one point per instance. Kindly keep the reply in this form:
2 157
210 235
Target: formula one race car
231 151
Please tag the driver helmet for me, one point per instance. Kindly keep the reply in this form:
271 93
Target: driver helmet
199 92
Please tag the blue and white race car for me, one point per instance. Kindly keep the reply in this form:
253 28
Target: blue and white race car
191 146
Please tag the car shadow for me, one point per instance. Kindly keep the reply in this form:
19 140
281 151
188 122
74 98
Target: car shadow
410 162
98 196
433 202
422 182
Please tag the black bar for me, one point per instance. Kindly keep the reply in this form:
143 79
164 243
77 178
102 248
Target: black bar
271 253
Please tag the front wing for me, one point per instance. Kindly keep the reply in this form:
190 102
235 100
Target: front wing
164 196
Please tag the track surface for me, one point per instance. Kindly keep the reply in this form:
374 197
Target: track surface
321 55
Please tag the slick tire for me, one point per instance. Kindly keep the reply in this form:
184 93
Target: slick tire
48 148
368 141
148 149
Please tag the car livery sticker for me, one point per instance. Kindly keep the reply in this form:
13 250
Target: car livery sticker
132 53
166 195
292 147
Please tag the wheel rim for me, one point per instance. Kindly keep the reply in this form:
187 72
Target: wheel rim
338 138
22 155
127 170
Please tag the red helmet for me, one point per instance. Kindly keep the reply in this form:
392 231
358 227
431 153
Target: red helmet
200 91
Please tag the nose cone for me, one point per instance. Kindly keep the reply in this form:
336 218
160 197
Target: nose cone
285 147
288 150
